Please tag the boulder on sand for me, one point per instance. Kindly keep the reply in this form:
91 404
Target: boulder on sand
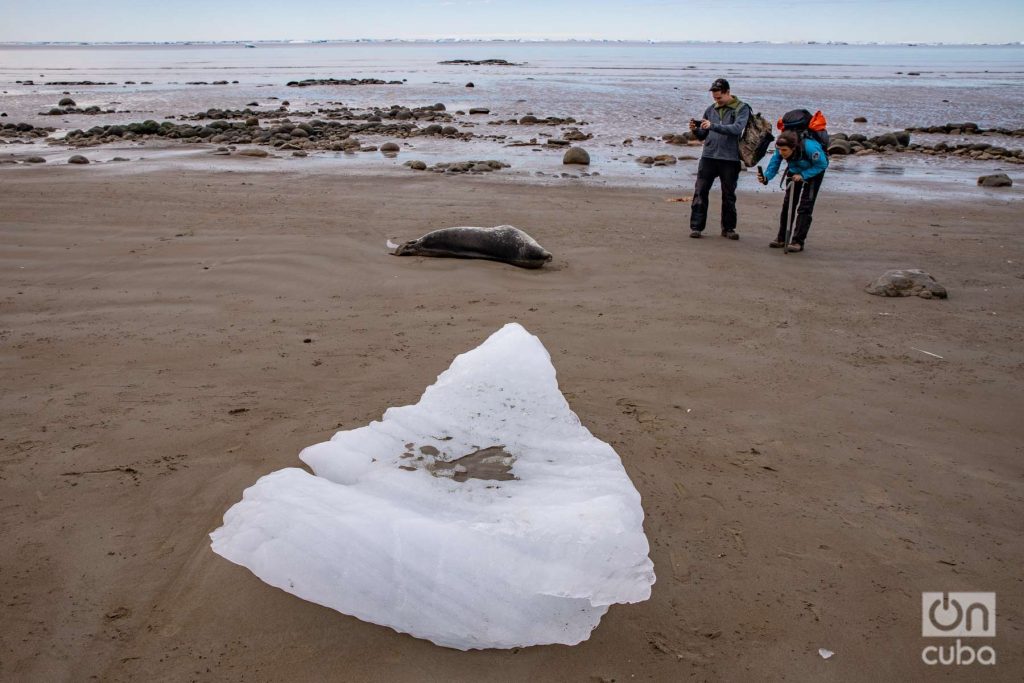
911 282
840 147
576 155
995 180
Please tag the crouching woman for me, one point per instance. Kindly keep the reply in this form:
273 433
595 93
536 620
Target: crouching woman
806 162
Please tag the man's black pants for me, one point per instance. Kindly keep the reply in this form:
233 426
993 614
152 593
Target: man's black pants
728 172
807 194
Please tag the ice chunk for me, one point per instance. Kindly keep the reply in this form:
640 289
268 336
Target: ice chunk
484 516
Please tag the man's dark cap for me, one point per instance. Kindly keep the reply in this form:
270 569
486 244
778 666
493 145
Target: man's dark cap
720 84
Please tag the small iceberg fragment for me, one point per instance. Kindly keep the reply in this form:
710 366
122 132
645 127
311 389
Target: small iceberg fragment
484 516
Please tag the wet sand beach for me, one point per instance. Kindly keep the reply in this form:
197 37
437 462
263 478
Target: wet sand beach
811 458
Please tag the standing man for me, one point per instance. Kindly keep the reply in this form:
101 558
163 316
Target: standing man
721 129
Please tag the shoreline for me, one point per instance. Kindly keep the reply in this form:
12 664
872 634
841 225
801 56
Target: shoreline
903 175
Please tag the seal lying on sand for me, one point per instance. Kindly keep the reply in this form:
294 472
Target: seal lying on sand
500 243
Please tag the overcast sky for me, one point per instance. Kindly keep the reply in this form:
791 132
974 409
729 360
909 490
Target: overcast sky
993 21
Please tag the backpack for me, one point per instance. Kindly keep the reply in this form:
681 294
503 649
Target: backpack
806 126
755 140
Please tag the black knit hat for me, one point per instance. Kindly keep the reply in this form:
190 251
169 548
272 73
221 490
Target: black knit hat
720 84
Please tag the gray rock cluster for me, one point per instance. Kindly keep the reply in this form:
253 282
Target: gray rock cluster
981 151
686 138
344 81
24 131
480 62
63 110
967 129
283 134
531 120
899 141
660 160
30 82
910 282
575 135
858 143
458 167
433 112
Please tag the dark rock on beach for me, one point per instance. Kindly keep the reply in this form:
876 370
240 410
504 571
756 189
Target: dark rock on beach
995 180
886 140
840 147
78 159
576 155
910 282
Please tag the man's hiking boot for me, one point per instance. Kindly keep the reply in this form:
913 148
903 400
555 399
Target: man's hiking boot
730 234
776 244
695 233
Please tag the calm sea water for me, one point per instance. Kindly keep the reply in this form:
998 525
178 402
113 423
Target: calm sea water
621 89
608 83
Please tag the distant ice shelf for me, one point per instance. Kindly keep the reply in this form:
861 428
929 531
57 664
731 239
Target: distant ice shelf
484 516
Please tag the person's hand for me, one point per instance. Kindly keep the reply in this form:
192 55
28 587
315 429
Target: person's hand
760 176
798 178
705 125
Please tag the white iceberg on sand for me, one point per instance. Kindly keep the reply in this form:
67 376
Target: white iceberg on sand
484 516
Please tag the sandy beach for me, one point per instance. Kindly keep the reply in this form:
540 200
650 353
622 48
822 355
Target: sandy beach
811 458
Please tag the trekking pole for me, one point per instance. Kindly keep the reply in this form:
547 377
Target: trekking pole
789 215
794 202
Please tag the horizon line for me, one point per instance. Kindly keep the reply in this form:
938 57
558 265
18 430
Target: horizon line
450 40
